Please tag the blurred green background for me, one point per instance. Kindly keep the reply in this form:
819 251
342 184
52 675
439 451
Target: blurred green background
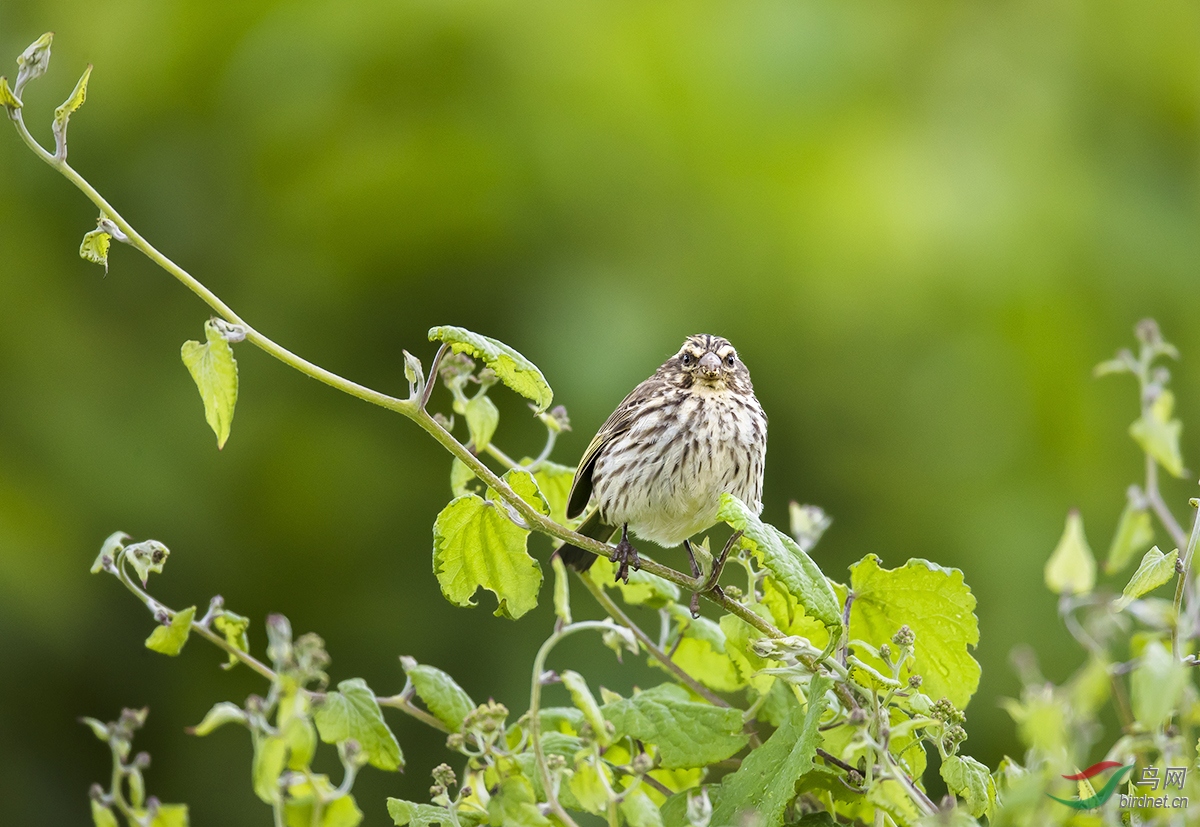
921 224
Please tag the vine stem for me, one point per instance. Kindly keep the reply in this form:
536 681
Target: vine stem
614 611
535 703
399 702
1182 586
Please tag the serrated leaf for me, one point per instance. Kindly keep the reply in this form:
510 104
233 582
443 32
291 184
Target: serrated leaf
214 371
477 545
585 702
170 639
418 815
739 635
515 805
686 732
236 630
170 815
449 703
352 712
1155 569
94 248
1158 434
790 565
7 98
1135 533
102 816
765 784
972 782
789 616
1156 686
939 608
513 369
1071 569
482 417
643 588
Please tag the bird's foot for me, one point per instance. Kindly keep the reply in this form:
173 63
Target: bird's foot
626 557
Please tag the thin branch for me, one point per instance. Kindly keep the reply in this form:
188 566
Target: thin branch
1155 500
1182 586
614 611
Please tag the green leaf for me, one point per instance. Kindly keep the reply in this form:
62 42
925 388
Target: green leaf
738 636
476 544
102 816
1158 434
643 588
790 565
214 370
146 557
515 805
170 639
554 481
587 786
789 615
295 727
562 590
1134 534
236 630
34 61
511 367
640 811
94 248
171 815
585 702
972 782
439 692
418 815
765 784
1155 569
1157 686
300 807
63 113
1071 569
352 712
221 714
686 732
7 98
270 760
939 608
482 417
702 654
112 545
461 478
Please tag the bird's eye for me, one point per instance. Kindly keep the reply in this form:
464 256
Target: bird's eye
729 360
687 359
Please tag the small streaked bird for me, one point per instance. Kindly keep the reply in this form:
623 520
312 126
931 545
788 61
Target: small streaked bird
657 468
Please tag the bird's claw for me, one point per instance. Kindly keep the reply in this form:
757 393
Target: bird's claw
626 557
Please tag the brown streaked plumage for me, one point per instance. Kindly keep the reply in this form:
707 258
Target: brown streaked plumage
659 464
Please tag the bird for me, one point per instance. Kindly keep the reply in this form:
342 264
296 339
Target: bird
659 464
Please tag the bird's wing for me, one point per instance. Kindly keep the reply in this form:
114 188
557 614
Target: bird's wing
619 422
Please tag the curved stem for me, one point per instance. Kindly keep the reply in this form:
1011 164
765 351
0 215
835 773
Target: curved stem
1155 500
535 702
1182 586
410 408
615 612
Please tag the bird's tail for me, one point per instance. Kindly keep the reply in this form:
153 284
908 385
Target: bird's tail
576 557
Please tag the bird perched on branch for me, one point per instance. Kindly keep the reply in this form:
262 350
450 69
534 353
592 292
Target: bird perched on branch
657 468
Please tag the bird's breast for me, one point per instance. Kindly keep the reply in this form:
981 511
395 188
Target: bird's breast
665 475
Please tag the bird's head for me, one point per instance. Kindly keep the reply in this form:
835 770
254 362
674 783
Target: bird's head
709 362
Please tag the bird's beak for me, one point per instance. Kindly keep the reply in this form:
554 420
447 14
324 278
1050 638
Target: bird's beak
710 363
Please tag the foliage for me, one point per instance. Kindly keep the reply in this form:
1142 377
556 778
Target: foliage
832 696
